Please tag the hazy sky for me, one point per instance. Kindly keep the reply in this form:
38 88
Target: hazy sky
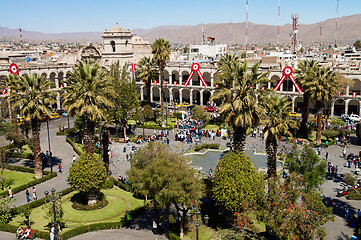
55 16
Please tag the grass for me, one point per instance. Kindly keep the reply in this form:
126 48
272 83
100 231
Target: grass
212 127
20 178
204 233
119 202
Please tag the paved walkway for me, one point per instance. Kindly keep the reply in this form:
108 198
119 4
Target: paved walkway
62 152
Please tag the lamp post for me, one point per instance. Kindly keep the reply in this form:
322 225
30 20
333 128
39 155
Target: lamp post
143 120
197 222
50 155
68 121
54 198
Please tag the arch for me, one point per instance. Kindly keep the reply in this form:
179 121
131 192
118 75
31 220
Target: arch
196 81
166 76
185 95
166 97
156 94
196 97
275 79
175 95
298 104
339 107
206 97
44 75
112 44
52 79
175 77
356 87
185 75
287 85
207 78
353 107
60 79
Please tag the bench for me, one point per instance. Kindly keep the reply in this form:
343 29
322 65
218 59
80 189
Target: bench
32 234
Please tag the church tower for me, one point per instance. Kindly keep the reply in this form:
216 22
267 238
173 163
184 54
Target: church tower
117 46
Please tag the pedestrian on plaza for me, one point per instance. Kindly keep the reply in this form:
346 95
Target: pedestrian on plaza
329 169
359 216
74 158
52 233
34 194
336 170
60 168
333 170
319 150
168 141
336 139
353 237
27 195
326 156
347 213
344 152
10 193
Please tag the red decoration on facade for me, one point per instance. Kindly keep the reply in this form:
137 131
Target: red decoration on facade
288 72
195 68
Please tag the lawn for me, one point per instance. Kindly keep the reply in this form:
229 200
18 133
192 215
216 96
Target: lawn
20 178
119 201
204 233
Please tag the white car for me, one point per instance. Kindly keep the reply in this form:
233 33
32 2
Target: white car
354 117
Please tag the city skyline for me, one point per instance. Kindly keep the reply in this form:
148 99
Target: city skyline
95 16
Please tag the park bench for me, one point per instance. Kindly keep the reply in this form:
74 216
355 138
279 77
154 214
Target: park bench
32 234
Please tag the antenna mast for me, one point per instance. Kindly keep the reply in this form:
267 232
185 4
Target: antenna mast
338 4
294 32
246 27
230 33
21 37
279 14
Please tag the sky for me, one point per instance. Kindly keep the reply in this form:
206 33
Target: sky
58 16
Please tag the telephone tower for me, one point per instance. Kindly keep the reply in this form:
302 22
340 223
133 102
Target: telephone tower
294 32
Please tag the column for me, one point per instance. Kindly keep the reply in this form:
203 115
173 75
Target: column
56 80
170 79
201 97
180 78
190 96
293 88
212 80
141 93
58 100
332 108
346 106
151 94
269 85
359 110
170 95
180 96
347 91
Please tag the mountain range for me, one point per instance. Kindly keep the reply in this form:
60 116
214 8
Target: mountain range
349 29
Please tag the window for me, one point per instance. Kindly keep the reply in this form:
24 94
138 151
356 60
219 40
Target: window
112 43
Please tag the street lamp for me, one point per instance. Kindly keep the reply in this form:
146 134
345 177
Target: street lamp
197 222
50 155
54 198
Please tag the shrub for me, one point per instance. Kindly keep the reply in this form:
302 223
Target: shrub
80 202
329 133
206 145
349 179
61 133
108 184
358 130
122 185
354 195
173 236
78 148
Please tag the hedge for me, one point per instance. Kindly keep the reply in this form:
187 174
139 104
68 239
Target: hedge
78 148
150 126
20 155
206 145
30 184
22 169
122 185
61 133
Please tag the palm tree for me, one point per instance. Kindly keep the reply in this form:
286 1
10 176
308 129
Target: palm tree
279 121
305 74
33 99
10 83
148 72
85 95
237 89
321 90
161 51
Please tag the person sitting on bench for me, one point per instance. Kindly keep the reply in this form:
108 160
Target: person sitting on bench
26 233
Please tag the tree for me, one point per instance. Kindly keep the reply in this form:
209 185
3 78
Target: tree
279 122
10 83
357 44
6 205
236 182
165 176
237 89
307 164
33 98
200 113
148 72
321 90
85 95
305 74
161 51
87 175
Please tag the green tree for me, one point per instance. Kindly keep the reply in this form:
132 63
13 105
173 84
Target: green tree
87 175
59 212
161 51
165 176
236 182
200 113
307 164
6 205
237 89
10 83
279 122
357 44
33 98
305 74
148 72
85 95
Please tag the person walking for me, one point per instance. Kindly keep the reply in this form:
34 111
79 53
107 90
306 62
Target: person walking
74 158
60 168
319 150
34 194
10 193
52 233
27 195
326 156
344 152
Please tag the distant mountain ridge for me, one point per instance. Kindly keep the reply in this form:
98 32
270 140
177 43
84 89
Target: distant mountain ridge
349 29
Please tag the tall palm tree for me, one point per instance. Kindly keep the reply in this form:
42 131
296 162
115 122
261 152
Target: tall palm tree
321 90
85 95
161 51
279 121
237 89
10 83
148 72
33 99
305 74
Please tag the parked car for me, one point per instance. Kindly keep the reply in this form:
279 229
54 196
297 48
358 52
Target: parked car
45 118
190 107
354 117
185 104
60 111
211 109
294 114
345 117
54 116
155 105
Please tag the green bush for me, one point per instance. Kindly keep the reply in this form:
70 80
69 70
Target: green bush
206 145
25 155
122 185
78 148
109 183
61 133
330 133
354 195
173 236
358 130
349 179
23 169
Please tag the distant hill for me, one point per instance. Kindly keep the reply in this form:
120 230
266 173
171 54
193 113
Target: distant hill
349 29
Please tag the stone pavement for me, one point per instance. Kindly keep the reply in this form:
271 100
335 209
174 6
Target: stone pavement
62 152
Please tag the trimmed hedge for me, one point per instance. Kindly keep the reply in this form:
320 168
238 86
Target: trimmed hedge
206 145
122 185
47 176
151 126
61 133
20 155
22 169
78 148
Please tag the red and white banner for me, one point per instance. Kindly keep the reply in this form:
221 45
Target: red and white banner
134 72
196 68
354 94
14 70
288 72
